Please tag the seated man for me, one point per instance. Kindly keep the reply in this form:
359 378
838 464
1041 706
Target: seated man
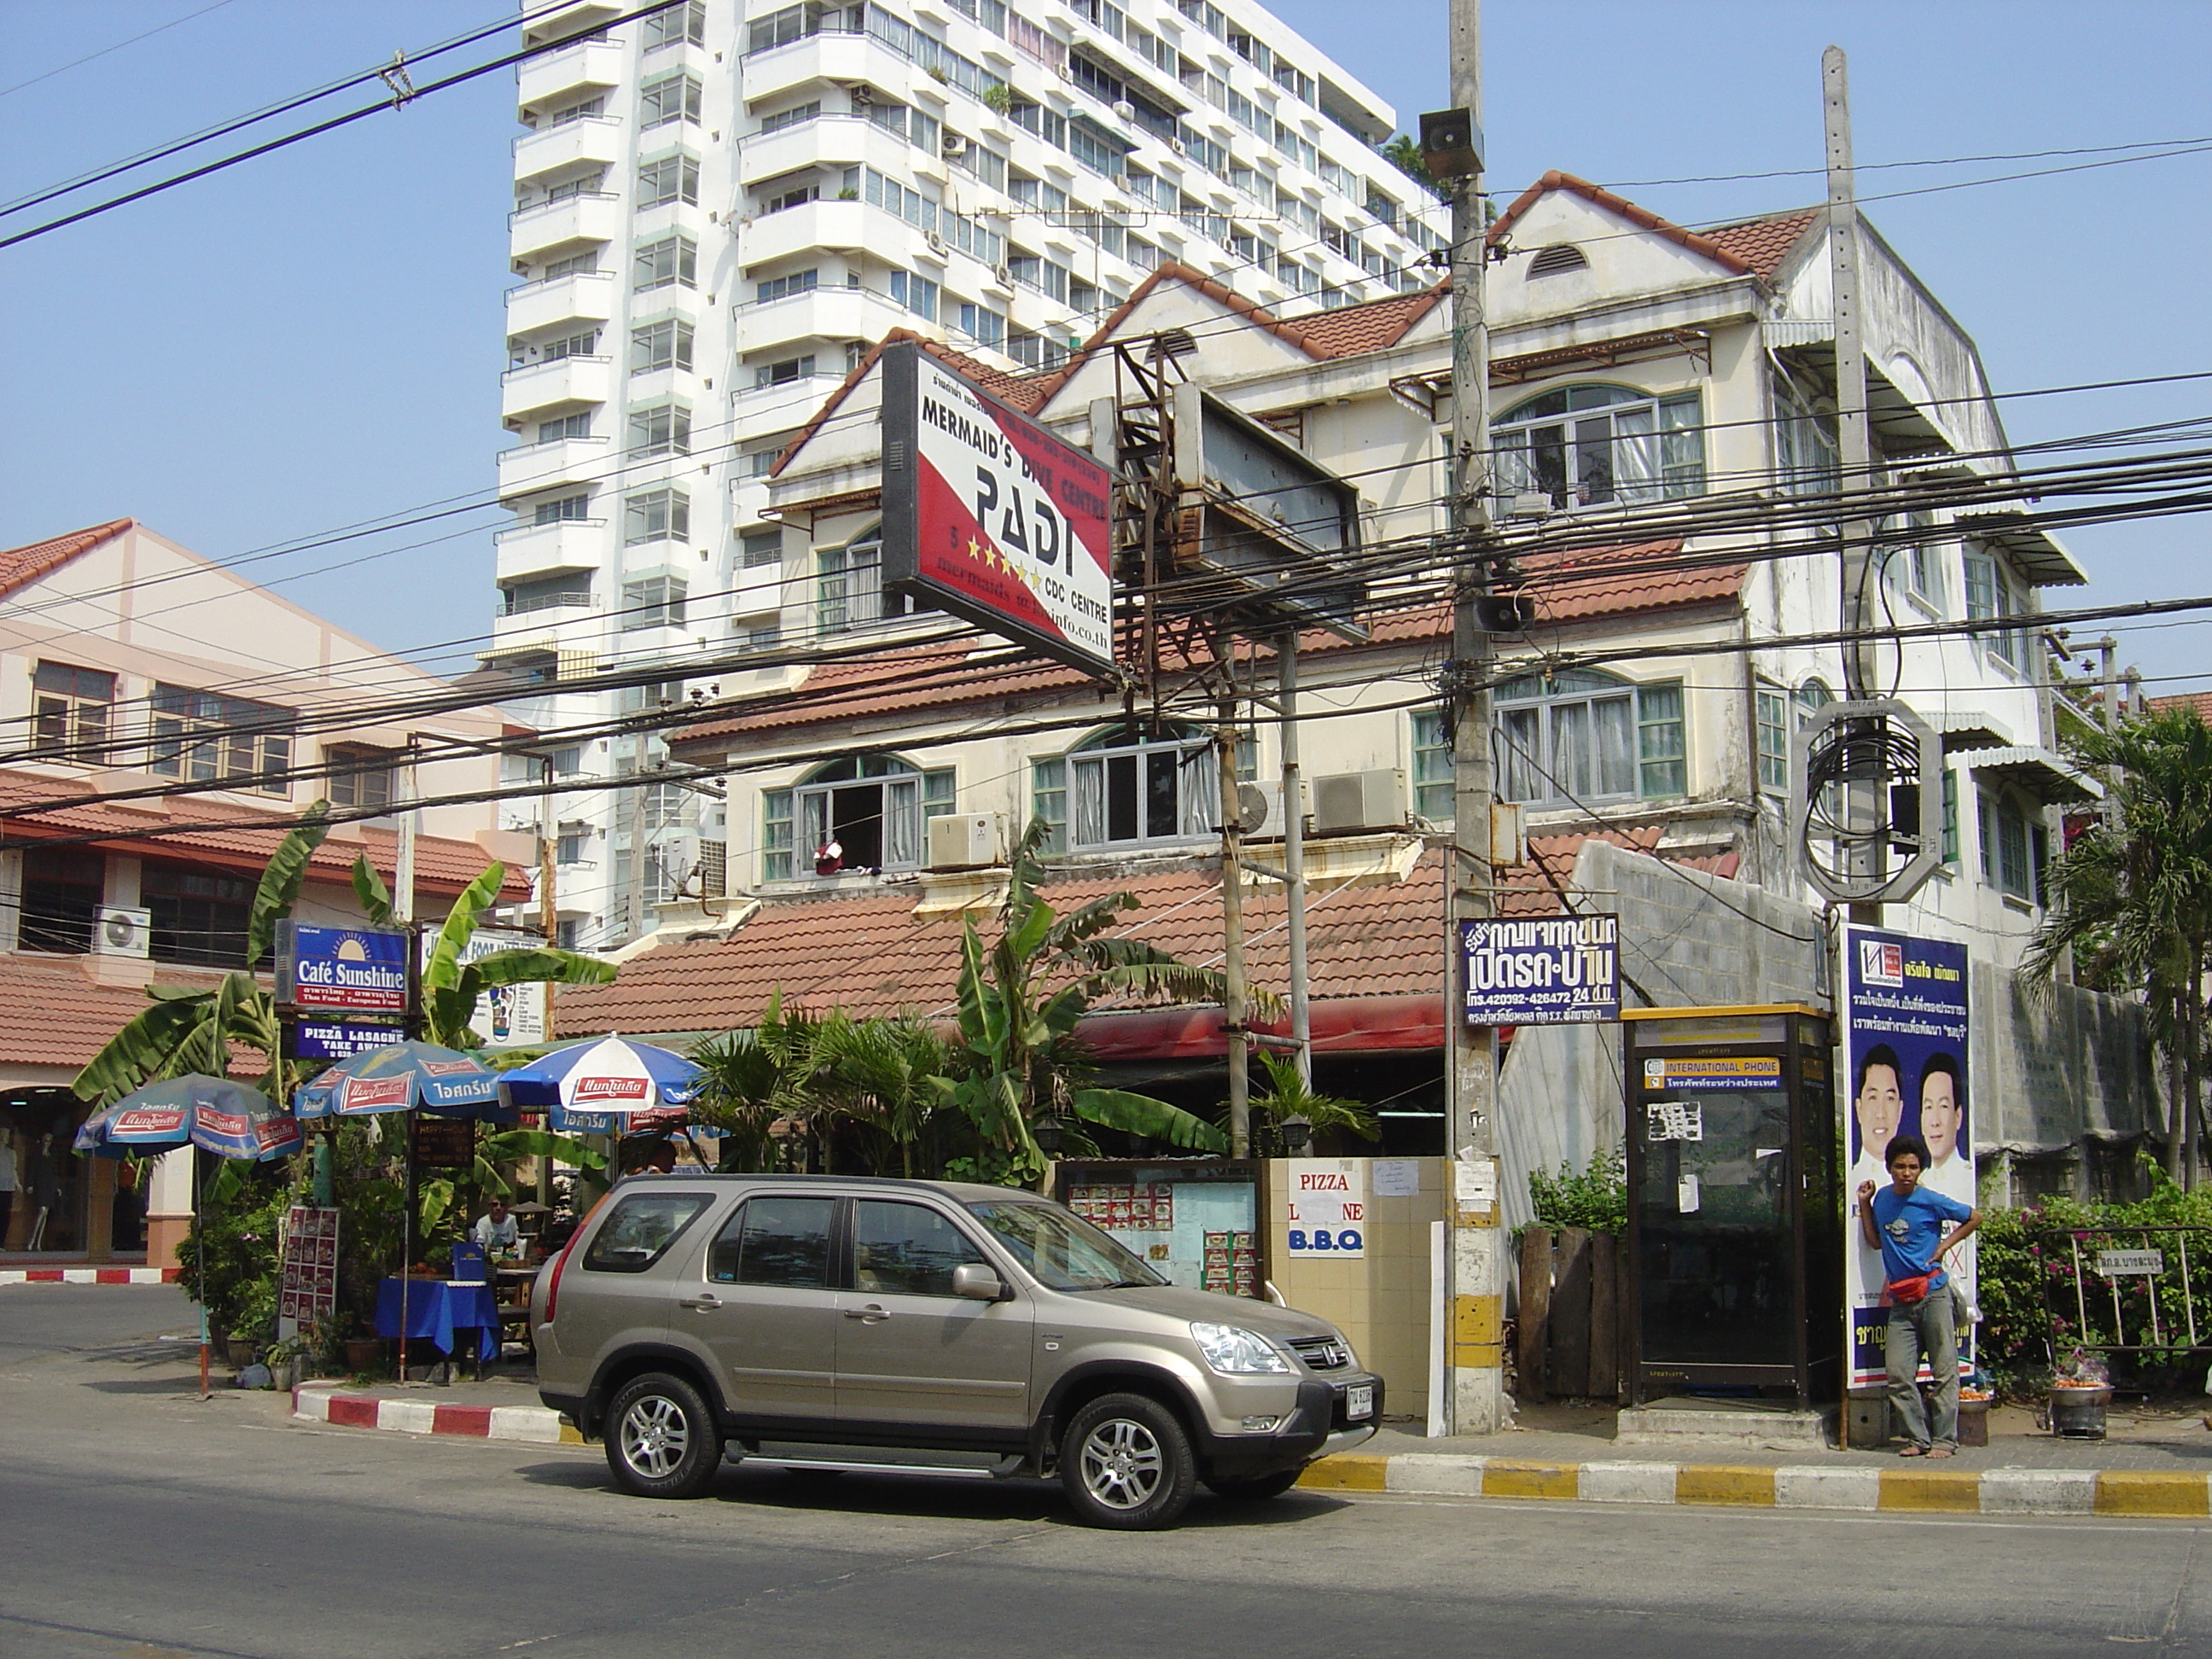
496 1230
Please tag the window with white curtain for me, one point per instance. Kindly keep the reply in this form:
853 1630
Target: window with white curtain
1129 788
873 806
1585 445
1579 736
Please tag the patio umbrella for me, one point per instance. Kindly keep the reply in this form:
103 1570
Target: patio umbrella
226 1118
404 1077
602 1087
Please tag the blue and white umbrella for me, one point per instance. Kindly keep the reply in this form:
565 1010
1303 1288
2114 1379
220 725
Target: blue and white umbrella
602 1087
226 1118
404 1077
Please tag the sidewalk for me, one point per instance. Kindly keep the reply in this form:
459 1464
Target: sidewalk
2153 1465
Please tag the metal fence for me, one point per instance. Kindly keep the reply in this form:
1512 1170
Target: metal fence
2140 1291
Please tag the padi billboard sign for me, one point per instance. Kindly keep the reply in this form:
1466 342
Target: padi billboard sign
1542 970
360 970
988 515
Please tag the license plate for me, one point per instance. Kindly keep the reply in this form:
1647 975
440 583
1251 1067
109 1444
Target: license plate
1359 1400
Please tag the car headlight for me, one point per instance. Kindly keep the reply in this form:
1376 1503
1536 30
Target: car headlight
1235 1352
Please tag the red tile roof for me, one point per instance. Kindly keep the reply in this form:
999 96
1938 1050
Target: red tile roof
1756 247
54 1012
2201 702
19 565
1621 580
204 831
1764 244
868 955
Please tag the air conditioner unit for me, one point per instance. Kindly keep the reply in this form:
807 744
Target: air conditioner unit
936 243
679 859
1126 110
1003 276
122 933
955 147
1348 802
1267 823
1178 147
964 841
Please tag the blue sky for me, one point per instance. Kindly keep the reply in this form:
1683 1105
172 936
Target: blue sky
315 339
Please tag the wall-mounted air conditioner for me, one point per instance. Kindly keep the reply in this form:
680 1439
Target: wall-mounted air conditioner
1349 803
964 841
121 933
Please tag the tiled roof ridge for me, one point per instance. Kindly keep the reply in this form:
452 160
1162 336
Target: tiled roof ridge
26 564
1641 217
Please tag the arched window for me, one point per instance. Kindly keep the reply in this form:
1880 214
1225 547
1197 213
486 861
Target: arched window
1557 259
1584 445
1129 786
1811 698
849 584
1580 737
873 806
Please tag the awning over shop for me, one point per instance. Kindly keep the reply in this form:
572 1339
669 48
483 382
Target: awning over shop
1341 1025
2048 777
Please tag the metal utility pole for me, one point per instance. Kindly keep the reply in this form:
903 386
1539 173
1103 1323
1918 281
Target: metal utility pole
1234 1010
1294 855
1474 1354
1865 807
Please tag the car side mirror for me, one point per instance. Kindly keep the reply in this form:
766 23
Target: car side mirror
977 1283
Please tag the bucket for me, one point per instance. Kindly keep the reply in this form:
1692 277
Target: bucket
2079 1414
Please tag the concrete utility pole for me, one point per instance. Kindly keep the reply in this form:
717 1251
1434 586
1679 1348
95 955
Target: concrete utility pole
1235 1010
1474 1356
1864 806
1294 853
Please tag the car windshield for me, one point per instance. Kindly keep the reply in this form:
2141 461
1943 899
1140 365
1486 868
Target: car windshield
1062 1251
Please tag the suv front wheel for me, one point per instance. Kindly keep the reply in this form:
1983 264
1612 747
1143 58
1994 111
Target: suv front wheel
662 1440
1127 1463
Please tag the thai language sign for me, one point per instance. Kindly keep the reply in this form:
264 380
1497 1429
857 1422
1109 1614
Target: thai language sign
992 517
1542 970
362 970
1904 1031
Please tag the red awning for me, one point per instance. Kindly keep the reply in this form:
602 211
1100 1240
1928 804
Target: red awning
1341 1025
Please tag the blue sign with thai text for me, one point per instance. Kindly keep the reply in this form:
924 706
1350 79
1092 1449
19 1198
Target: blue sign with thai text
1542 970
359 970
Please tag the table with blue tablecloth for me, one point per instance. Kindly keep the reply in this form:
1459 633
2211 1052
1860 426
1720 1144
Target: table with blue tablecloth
436 1308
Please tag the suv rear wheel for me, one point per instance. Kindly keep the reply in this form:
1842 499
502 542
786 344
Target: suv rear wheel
662 1440
1127 1464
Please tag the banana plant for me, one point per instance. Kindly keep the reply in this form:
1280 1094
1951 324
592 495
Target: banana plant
1020 1001
191 1030
452 987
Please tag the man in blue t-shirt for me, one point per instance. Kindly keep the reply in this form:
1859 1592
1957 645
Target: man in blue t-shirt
1906 1221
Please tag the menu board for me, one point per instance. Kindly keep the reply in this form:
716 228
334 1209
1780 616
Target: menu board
307 1289
1200 1233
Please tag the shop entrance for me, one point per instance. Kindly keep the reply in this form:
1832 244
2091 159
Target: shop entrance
1734 1220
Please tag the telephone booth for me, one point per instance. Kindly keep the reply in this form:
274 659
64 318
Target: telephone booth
1735 1243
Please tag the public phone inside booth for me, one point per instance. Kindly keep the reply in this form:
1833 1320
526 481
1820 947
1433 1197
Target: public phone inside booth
1735 1219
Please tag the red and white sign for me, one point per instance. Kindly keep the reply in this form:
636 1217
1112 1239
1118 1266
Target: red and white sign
1325 1202
149 1120
597 1090
373 1094
991 516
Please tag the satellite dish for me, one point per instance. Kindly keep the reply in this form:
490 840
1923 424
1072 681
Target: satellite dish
1251 808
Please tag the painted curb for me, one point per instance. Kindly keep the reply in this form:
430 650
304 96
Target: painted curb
90 1275
537 1425
2134 1493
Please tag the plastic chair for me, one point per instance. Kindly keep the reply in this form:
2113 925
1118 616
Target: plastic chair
469 1267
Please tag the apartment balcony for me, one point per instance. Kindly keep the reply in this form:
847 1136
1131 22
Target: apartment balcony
572 627
572 222
757 591
565 76
558 22
827 314
596 140
837 226
826 141
531 551
772 408
565 461
564 383
820 60
583 297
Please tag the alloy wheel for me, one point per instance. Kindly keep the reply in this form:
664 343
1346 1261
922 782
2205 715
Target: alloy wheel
1122 1463
655 1436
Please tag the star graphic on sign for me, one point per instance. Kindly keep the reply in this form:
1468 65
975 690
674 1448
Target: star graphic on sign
975 548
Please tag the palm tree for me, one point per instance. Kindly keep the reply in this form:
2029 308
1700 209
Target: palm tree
1288 1095
1020 1002
2131 900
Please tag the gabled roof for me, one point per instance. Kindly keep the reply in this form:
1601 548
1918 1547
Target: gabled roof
1756 247
20 566
1346 331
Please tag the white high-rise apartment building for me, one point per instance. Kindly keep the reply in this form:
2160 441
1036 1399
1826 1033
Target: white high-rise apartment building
720 208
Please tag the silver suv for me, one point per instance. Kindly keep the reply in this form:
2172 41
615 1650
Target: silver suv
828 1323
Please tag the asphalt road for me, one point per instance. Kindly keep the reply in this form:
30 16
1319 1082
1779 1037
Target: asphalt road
136 1520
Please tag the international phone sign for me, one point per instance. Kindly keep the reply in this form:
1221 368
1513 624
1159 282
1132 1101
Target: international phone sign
989 516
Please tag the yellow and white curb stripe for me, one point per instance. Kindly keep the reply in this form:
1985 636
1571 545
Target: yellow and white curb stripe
1922 1490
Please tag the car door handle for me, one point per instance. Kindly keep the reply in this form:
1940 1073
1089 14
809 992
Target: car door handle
706 1303
874 1314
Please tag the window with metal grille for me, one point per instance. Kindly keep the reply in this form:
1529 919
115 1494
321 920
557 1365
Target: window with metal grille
209 738
70 710
546 593
758 548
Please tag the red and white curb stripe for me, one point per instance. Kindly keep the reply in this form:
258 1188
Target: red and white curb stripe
90 1275
536 1423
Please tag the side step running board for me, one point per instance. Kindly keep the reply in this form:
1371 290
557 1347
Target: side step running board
998 1471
